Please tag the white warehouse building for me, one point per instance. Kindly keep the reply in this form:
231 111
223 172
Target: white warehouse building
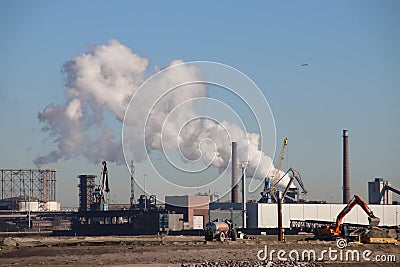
36 206
264 215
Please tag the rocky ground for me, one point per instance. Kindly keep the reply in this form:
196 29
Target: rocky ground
183 251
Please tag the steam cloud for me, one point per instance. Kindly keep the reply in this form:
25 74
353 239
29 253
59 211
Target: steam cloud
102 81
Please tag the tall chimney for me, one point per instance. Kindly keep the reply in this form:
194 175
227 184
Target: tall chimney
235 186
346 178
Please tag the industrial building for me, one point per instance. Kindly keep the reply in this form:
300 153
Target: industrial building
195 209
23 205
40 184
221 211
32 193
381 191
27 189
264 215
96 217
28 201
86 191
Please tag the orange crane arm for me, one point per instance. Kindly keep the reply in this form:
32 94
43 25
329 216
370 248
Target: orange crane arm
355 200
364 206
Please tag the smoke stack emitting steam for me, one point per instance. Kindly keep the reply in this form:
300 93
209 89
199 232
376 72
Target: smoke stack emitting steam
102 82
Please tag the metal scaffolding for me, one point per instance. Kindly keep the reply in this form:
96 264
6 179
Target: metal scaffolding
34 184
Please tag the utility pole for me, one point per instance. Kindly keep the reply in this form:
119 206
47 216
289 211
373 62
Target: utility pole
144 183
244 198
29 204
145 196
279 201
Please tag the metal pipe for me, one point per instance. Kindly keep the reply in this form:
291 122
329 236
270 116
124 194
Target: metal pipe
235 186
346 176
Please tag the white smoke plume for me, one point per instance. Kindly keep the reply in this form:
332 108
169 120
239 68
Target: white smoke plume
100 81
103 80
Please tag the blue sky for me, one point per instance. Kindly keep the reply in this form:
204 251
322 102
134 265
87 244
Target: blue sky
352 80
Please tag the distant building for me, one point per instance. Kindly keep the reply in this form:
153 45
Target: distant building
378 192
86 191
264 215
227 211
23 205
195 209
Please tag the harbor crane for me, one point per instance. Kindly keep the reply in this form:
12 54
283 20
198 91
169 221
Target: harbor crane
270 189
278 168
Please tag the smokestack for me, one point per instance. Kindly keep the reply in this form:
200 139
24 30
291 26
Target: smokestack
346 178
235 186
244 197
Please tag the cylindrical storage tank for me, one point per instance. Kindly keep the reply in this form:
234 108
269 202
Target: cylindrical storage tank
218 226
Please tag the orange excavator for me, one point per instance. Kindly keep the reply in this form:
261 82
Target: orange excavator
336 230
372 234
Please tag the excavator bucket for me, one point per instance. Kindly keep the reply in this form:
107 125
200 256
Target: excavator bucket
376 235
373 221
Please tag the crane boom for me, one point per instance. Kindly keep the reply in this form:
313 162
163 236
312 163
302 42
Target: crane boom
280 162
293 174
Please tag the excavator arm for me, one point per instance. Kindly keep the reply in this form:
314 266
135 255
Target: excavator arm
356 200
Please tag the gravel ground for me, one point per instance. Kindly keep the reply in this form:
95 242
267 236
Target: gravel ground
170 251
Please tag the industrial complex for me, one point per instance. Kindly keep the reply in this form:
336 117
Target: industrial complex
28 204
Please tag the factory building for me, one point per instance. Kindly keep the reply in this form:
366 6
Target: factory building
195 209
39 206
33 191
378 192
28 190
86 191
221 211
19 204
264 215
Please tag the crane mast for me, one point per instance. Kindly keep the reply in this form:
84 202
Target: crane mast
104 185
